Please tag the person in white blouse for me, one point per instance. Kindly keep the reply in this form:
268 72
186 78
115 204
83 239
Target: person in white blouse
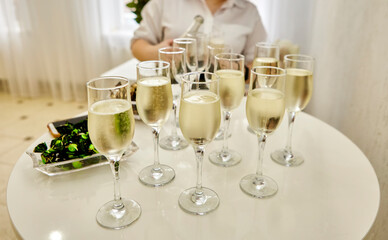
164 20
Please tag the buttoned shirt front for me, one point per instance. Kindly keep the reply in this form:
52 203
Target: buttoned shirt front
239 20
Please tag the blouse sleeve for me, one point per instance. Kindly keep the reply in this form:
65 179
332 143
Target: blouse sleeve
150 28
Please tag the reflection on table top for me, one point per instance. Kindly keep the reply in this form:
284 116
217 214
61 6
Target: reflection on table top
333 195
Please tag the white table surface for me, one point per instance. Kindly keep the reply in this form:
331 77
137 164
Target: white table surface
333 195
126 69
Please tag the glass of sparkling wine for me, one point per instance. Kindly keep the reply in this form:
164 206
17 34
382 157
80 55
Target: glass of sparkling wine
212 52
299 88
217 37
154 104
176 57
202 43
190 45
111 127
199 119
230 68
264 109
266 54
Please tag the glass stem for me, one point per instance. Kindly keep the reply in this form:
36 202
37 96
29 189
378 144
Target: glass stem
115 167
262 138
291 120
199 152
174 133
227 115
156 131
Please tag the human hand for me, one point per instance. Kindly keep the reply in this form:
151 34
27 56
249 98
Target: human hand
165 43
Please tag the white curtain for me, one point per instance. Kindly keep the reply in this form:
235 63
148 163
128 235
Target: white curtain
349 42
290 20
55 46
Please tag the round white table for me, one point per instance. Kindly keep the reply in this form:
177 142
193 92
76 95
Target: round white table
334 194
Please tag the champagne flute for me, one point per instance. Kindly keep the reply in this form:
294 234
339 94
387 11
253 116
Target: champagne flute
265 110
111 126
212 52
176 57
190 45
230 68
154 104
202 43
299 88
266 54
217 38
199 118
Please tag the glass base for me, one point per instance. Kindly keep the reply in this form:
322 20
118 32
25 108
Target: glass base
109 217
193 203
220 135
173 143
258 186
156 176
225 159
284 158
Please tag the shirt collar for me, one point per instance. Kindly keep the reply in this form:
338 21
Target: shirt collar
230 3
238 3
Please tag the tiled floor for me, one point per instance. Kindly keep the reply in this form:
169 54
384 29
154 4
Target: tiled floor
22 121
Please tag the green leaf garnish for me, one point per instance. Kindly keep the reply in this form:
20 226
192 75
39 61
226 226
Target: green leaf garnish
76 164
41 147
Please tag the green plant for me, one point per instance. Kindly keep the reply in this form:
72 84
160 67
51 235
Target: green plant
136 6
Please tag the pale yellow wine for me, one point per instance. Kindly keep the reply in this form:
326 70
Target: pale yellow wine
232 87
299 88
111 125
200 116
217 43
265 109
154 100
265 62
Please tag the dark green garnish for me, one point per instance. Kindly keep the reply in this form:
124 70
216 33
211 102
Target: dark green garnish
41 147
74 142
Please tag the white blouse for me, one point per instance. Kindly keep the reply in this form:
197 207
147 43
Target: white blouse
239 20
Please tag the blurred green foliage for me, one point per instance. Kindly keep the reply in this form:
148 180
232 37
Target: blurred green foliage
136 6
